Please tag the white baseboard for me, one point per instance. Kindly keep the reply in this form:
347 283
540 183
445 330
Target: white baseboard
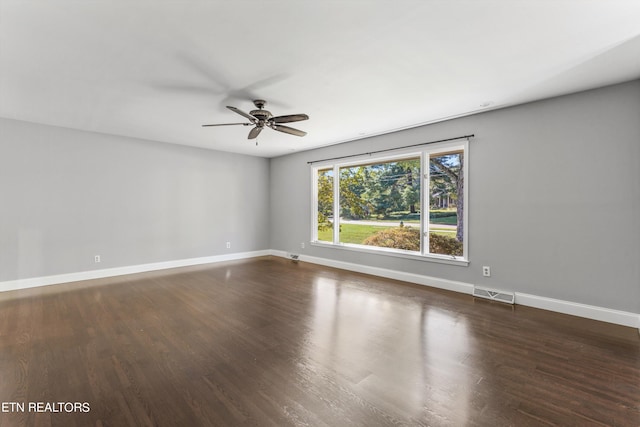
419 279
33 282
560 306
603 314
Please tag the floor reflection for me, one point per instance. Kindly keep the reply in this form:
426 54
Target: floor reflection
378 341
445 347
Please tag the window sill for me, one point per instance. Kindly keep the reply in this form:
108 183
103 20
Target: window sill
441 259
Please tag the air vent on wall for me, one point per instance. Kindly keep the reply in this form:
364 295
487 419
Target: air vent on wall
494 295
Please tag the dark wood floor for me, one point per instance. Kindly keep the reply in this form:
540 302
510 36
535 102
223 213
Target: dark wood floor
268 342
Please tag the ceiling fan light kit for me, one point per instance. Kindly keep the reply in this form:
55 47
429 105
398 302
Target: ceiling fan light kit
260 118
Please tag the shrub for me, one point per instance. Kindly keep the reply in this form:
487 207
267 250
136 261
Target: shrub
408 238
323 222
439 244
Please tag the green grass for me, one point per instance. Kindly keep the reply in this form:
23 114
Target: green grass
357 233
406 221
351 233
443 216
448 220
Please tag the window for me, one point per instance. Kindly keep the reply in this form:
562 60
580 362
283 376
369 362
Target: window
324 205
408 205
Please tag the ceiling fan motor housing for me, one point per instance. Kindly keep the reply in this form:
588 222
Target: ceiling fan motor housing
261 115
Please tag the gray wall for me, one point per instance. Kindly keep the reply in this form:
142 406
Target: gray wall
68 195
554 198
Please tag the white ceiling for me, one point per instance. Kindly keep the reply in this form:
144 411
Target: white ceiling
160 69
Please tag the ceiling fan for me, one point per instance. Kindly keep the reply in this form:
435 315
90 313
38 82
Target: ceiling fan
260 118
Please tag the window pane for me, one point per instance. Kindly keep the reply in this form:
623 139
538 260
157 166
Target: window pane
380 204
446 203
325 205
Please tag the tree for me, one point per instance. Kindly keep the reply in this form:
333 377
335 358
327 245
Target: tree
395 186
411 190
352 186
411 197
448 170
325 198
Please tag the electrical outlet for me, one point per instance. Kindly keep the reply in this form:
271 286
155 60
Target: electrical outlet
486 271
228 245
96 258
302 245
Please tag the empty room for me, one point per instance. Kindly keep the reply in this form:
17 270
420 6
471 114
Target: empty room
294 213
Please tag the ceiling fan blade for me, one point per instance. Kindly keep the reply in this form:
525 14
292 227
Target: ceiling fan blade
290 118
254 132
242 113
228 124
287 129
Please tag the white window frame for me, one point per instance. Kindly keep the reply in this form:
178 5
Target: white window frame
424 153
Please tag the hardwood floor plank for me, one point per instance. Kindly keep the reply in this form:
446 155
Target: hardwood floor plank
268 342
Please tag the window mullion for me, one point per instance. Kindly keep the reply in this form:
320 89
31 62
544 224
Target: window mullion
424 238
336 204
